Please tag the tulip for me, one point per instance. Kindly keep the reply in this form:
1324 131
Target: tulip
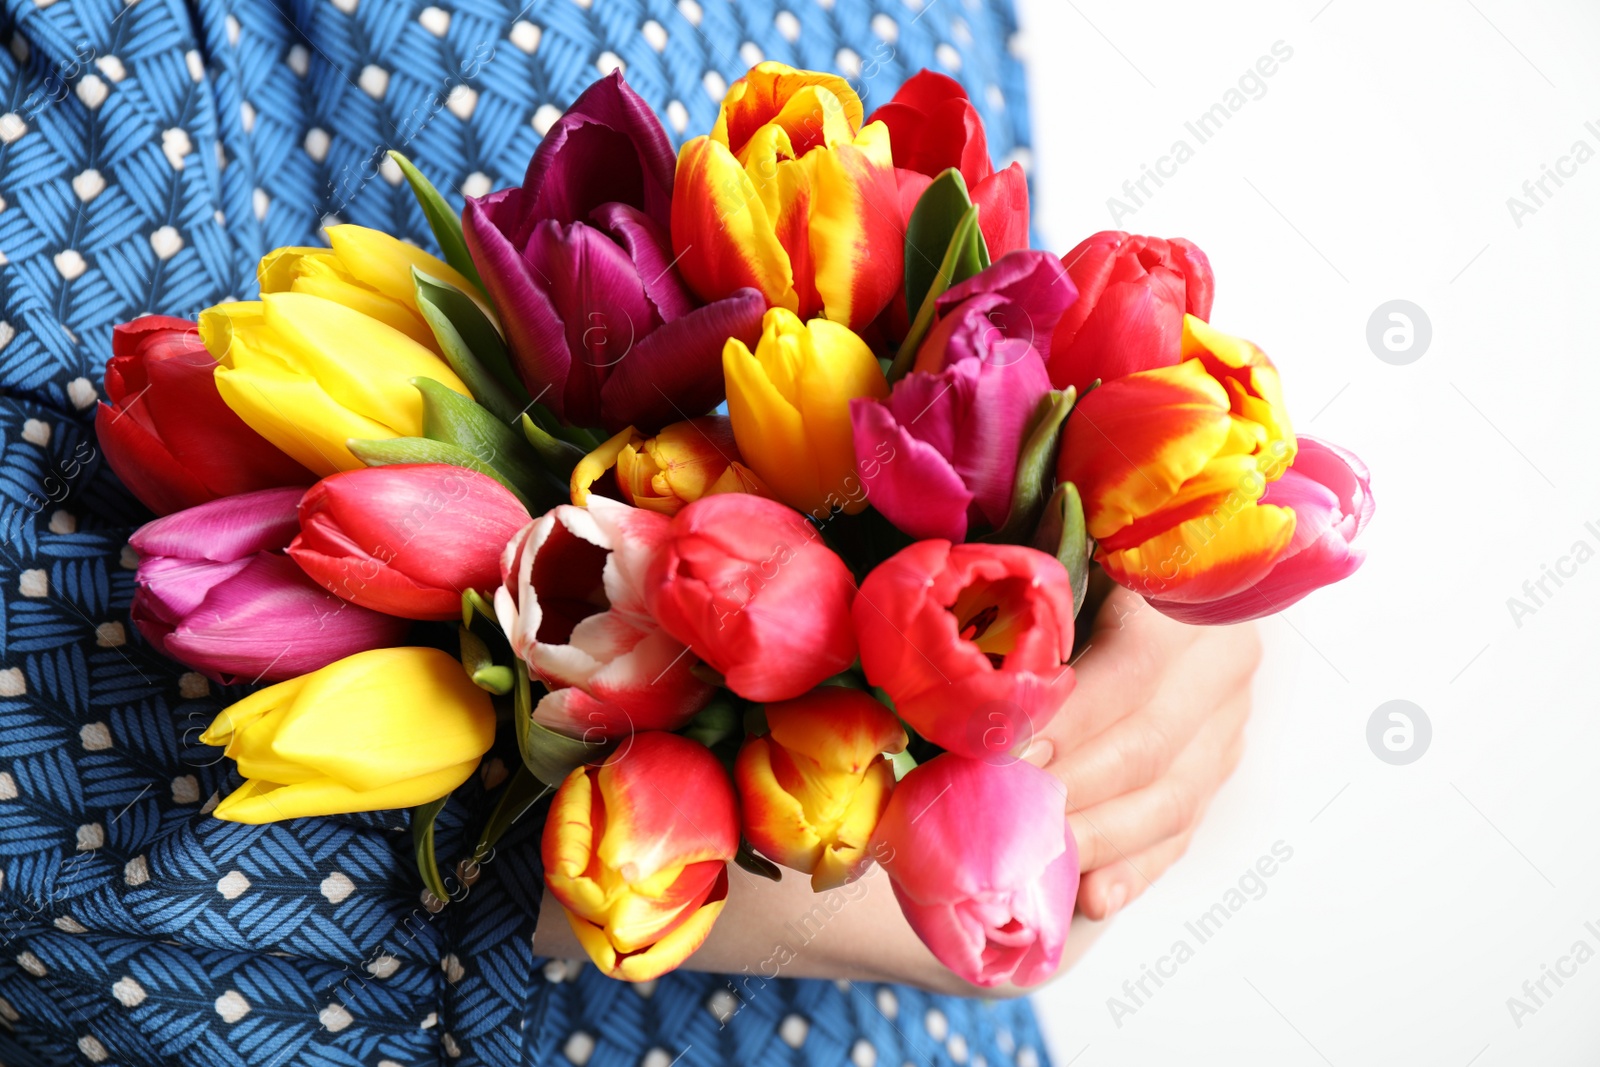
1133 293
578 259
679 465
407 539
366 270
572 603
1019 297
934 127
1172 464
750 587
984 866
167 433
813 788
789 400
215 591
310 375
792 195
1330 493
971 642
389 728
636 850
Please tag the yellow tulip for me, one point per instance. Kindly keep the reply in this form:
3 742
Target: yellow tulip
673 469
389 728
310 374
367 270
790 405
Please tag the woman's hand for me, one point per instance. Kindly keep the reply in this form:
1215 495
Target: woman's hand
1152 730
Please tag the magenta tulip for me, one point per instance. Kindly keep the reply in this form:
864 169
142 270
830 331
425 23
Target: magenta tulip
408 539
984 866
572 602
215 591
579 262
1132 295
1330 493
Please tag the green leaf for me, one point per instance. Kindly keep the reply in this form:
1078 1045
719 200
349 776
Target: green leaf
446 224
422 841
933 223
1064 534
755 863
965 256
474 651
1036 465
549 755
471 345
904 763
495 679
558 456
519 796
454 419
716 722
387 451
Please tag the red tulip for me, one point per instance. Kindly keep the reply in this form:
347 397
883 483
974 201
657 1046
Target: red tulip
984 866
408 539
750 587
933 127
1132 295
167 433
636 850
971 641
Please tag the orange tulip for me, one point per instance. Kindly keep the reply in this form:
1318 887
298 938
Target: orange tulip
676 467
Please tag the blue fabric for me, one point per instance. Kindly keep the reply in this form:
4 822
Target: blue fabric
149 154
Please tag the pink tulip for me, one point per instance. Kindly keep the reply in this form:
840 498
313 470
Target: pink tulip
749 585
215 591
572 601
1330 492
408 539
984 866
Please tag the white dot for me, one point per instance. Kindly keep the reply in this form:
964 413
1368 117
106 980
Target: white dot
8 784
1027 1057
793 1030
92 91
81 393
655 34
166 242
196 65
316 143
788 26
997 99
129 993
863 1053
430 1020
555 970
657 1057
36 432
334 1017
751 53
888 1003
259 201
545 117
722 1004
70 263
476 184
525 35
645 989
606 62
11 127
91 835
462 101
848 62
957 1046
231 25
677 115
136 871
63 522
337 886
186 789
690 11
92 1049
947 56
96 736
68 925
346 6
247 116
391 170
232 885
32 964
716 86
88 185
374 81
192 685
33 582
298 59
452 968
936 1024
579 1047
110 635
383 965
435 20
232 1007
886 28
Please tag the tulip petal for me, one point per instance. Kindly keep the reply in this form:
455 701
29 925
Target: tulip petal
259 801
917 489
145 464
1003 213
224 530
854 222
721 231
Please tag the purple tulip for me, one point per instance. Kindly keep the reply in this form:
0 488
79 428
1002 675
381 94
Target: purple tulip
216 592
1330 492
1019 297
579 262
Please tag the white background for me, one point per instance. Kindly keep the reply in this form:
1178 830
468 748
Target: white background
1377 166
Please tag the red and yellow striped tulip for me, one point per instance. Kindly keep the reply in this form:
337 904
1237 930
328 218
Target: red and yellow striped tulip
636 850
791 195
813 788
676 467
1172 462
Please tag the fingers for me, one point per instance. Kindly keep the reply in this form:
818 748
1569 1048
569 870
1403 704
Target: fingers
1131 823
1102 893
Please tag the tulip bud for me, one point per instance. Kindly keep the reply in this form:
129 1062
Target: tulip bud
750 587
791 195
636 850
679 465
167 432
790 405
572 603
971 642
389 728
1133 293
366 270
407 539
1172 464
933 127
984 866
309 375
813 787
215 591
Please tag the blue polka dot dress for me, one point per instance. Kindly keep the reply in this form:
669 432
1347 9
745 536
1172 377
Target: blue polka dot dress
150 152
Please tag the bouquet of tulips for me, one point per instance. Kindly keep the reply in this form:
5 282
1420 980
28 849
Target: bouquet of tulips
754 491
